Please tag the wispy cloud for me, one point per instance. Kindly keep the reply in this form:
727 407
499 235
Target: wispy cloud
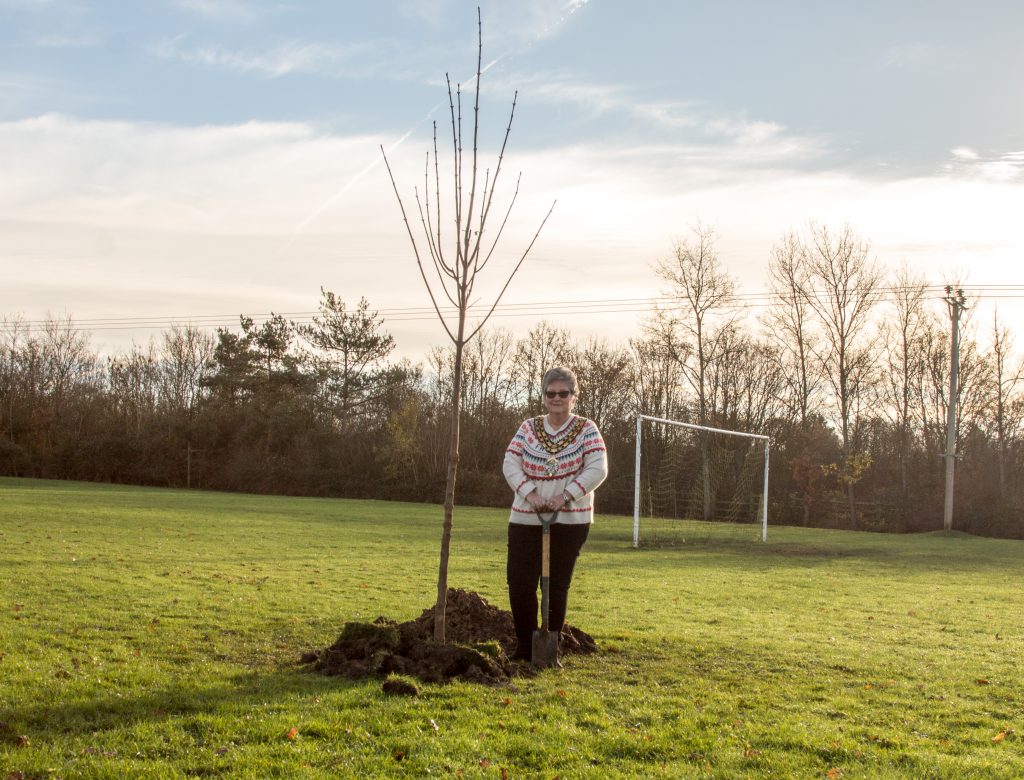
548 16
915 56
964 153
523 22
24 94
431 12
66 41
291 57
689 124
1004 167
233 10
29 4
73 7
114 172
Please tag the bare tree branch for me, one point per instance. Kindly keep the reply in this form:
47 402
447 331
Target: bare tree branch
508 281
489 195
440 268
415 249
436 249
504 222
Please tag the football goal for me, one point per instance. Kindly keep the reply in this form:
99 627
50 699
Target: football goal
695 483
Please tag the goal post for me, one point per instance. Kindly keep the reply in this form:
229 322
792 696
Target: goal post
702 431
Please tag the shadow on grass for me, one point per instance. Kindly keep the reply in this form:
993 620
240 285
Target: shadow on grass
234 696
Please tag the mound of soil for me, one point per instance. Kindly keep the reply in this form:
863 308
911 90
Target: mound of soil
480 639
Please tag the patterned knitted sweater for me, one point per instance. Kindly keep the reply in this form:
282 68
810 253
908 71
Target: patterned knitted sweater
571 459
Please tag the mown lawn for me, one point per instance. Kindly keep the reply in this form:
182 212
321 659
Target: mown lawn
156 633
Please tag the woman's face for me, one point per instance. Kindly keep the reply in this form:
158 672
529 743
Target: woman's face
558 405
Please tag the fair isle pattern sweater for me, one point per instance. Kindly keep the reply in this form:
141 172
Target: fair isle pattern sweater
579 462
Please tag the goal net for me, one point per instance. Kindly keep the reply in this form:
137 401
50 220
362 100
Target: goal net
694 483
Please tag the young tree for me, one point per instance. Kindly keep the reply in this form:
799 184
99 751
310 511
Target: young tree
1008 400
845 281
694 332
905 363
271 341
545 345
790 323
748 382
13 335
350 348
658 381
695 335
605 373
133 381
186 360
458 266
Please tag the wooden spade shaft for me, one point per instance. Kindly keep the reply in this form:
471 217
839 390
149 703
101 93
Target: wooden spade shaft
545 641
545 579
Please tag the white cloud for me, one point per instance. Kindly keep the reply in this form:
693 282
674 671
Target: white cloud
291 57
31 4
161 175
120 218
914 56
964 153
65 41
432 12
65 7
517 24
1006 167
233 10
694 131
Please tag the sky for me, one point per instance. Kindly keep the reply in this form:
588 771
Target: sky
192 160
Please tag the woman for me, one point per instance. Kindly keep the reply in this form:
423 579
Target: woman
553 463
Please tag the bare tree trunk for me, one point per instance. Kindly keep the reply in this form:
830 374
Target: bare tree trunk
449 492
851 501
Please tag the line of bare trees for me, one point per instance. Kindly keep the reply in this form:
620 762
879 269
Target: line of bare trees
847 371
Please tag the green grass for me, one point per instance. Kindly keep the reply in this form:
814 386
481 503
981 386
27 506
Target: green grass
156 633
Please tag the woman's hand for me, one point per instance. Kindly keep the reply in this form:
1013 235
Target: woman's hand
555 503
537 504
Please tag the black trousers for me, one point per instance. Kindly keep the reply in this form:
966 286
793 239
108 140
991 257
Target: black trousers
524 569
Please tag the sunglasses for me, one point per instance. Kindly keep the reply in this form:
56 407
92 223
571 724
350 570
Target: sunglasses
558 393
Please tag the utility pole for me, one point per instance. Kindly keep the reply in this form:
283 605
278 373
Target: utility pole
956 304
188 463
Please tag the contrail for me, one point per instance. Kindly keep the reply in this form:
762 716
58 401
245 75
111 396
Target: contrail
358 177
570 7
373 164
377 160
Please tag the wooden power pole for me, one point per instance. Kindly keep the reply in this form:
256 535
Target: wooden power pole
956 304
189 451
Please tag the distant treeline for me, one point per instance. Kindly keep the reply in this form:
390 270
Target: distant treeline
848 373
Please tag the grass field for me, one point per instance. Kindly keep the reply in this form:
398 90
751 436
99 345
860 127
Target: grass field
155 633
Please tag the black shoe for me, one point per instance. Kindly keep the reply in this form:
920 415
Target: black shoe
522 653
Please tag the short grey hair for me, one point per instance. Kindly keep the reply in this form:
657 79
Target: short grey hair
559 374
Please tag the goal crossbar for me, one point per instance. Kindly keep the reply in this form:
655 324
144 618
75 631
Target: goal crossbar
636 478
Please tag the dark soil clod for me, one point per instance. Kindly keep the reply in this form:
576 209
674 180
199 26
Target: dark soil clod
480 640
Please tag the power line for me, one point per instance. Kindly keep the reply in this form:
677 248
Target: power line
753 300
